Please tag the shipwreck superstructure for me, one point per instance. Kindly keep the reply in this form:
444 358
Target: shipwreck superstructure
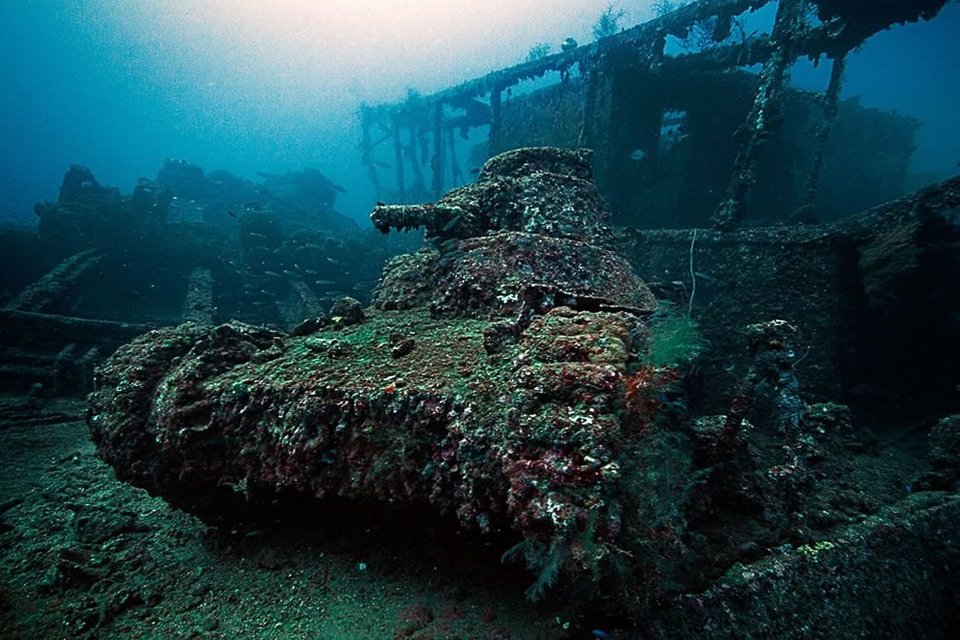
690 117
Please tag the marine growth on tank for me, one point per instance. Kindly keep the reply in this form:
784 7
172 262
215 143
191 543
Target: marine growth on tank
498 320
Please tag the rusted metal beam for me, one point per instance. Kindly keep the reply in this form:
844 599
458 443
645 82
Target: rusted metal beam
766 114
456 174
398 158
49 292
51 329
676 23
436 162
831 100
198 304
496 113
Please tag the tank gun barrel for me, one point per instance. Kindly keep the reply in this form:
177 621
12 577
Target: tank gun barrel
404 216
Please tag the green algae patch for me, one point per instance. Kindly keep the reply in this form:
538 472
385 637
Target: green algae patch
363 356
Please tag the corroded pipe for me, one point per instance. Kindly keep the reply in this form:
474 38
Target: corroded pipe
403 217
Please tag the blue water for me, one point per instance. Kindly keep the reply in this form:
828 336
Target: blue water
117 87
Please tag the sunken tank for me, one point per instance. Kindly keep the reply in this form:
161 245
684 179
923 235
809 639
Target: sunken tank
489 381
503 381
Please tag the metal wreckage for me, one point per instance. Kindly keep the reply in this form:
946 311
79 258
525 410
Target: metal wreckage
500 377
505 376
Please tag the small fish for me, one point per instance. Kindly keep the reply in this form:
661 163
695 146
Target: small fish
454 221
256 235
232 214
382 164
638 155
272 274
334 293
324 283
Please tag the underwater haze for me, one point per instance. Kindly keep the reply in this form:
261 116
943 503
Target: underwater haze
247 86
486 319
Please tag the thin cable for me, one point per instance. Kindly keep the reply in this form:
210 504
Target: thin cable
693 276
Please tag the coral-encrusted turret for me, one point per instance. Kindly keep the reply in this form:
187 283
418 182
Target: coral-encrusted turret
541 190
533 223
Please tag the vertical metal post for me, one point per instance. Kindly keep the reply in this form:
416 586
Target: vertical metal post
419 186
365 135
398 157
588 107
436 163
456 175
765 116
366 148
831 100
496 112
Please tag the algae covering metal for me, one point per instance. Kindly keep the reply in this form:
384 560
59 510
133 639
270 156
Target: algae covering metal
502 380
495 391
